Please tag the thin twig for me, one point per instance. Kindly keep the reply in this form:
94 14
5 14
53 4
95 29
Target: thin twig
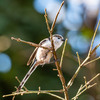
91 80
76 73
39 90
79 89
31 92
95 49
78 58
55 96
63 53
85 81
13 97
86 86
85 61
90 86
46 19
78 92
93 39
30 43
91 61
55 56
19 82
52 27
59 70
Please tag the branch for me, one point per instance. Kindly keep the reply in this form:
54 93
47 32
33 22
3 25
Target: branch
91 80
56 96
76 73
52 27
78 58
85 81
30 43
92 61
93 39
48 27
63 53
59 71
77 92
22 92
90 86
35 92
54 53
19 82
86 86
85 61
13 97
95 49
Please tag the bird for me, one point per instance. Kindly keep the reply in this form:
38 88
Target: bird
41 56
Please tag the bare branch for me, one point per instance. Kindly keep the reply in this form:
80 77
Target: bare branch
33 92
19 82
76 73
55 96
78 58
63 53
30 43
46 19
95 49
13 97
93 39
55 57
86 86
78 92
85 61
91 61
52 27
91 80
85 81
90 86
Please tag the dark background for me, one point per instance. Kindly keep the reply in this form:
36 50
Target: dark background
25 19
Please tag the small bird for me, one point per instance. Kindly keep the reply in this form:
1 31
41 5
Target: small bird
41 56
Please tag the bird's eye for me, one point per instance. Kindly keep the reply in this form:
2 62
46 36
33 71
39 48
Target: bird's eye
58 37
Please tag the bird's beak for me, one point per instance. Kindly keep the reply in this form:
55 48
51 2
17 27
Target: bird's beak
63 39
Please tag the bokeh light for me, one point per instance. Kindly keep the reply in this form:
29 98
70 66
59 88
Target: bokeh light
91 7
5 43
40 5
5 63
73 21
78 42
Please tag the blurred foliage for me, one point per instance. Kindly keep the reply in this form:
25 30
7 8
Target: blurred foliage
19 19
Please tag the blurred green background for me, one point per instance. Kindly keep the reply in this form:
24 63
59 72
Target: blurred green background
25 19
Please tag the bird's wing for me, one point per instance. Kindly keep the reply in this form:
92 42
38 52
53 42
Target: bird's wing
32 57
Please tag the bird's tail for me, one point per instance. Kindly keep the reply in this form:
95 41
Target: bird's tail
32 69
